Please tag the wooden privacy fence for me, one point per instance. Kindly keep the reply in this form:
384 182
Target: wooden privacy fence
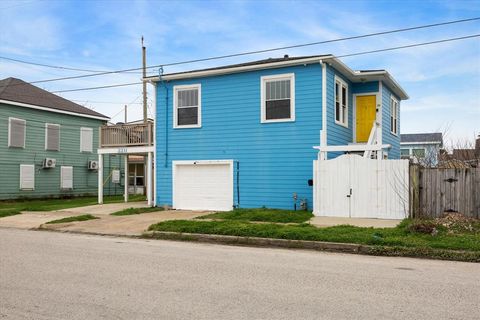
435 191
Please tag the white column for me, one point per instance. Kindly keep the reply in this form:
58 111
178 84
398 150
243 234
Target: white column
100 179
149 180
125 183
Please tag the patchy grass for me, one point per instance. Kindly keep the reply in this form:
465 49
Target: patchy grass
262 214
58 204
84 217
401 236
130 211
7 213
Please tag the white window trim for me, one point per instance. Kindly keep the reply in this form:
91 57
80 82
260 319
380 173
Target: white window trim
395 133
81 139
175 105
21 176
342 82
46 135
263 113
10 129
61 177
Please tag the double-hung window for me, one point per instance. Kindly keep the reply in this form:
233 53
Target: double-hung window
278 98
341 102
52 137
16 132
188 106
393 115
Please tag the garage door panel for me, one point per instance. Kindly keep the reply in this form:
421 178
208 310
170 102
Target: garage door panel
203 187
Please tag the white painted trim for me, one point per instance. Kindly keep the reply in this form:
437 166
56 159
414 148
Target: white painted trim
125 150
353 147
380 114
175 105
323 135
149 179
81 139
354 97
344 83
21 177
19 104
397 110
61 177
219 71
24 131
421 143
353 76
46 135
177 163
263 80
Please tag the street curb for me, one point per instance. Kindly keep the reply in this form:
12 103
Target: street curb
254 241
424 253
351 248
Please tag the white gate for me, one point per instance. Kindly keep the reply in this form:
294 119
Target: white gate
357 187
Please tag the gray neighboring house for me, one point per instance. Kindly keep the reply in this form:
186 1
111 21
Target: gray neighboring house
422 148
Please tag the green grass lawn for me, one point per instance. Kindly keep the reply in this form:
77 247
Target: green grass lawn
401 236
262 214
130 211
84 217
57 204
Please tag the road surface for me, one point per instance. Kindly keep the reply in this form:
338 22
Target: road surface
47 275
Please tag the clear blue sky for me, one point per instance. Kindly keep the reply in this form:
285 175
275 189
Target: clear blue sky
443 80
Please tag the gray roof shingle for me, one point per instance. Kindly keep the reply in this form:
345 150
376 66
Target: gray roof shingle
16 90
421 137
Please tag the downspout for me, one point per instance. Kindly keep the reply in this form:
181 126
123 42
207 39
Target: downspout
323 138
160 73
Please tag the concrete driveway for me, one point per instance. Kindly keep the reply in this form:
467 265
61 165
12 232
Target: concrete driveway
33 219
132 225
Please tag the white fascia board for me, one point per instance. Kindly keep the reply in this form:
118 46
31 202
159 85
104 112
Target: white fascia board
353 147
418 143
125 150
26 105
227 70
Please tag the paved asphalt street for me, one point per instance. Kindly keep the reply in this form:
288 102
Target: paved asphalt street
46 275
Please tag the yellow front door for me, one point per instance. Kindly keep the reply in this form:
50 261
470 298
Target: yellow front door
366 113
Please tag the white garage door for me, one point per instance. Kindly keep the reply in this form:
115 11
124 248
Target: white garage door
203 185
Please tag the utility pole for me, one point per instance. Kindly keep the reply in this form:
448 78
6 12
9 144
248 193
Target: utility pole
144 62
125 114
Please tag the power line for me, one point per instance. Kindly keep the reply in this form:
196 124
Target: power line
100 87
56 67
340 56
265 50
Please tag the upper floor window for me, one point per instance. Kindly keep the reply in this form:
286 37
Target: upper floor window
341 102
418 152
86 140
393 115
187 106
16 132
278 98
52 137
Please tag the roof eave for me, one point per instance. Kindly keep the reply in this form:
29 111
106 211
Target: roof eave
26 105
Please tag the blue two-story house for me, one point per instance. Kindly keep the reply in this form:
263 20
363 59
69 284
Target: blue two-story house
243 135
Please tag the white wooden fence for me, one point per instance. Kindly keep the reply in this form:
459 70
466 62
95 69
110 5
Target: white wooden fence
358 187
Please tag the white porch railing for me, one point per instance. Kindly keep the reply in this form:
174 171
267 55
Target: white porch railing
367 149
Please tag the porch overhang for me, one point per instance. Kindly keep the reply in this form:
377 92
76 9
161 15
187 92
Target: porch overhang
126 150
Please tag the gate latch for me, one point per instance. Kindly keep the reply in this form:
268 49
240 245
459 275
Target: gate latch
349 195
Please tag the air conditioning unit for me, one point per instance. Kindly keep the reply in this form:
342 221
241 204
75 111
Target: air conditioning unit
92 165
49 163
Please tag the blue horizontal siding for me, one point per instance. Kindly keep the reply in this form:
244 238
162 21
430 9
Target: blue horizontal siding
274 159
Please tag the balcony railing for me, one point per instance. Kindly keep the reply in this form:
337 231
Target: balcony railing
126 135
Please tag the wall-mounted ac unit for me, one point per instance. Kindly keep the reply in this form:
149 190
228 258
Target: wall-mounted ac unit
92 165
49 163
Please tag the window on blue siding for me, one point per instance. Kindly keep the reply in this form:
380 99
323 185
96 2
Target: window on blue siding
277 98
341 102
393 115
187 106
